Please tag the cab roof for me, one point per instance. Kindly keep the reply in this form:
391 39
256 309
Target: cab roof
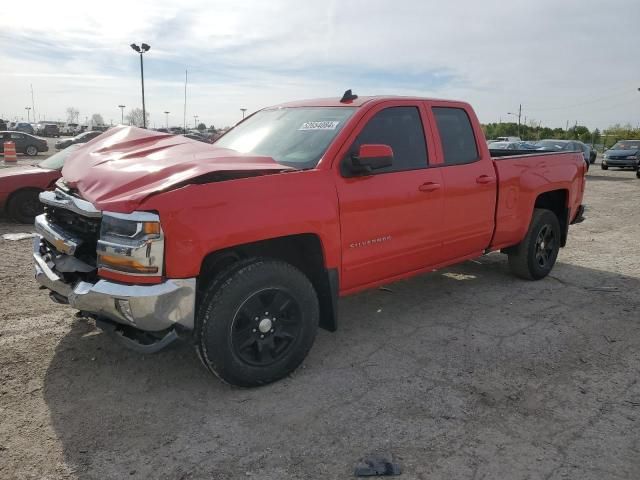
358 102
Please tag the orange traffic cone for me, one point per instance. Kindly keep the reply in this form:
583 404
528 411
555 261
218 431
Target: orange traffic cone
10 152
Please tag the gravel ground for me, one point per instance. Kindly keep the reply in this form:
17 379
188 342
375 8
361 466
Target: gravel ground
467 373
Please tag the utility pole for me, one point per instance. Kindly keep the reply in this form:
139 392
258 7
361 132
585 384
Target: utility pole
142 49
33 104
184 118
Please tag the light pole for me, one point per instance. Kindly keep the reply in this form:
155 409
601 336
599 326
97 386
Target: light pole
243 110
167 114
519 114
121 107
142 49
28 109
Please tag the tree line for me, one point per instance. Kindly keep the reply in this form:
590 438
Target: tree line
604 139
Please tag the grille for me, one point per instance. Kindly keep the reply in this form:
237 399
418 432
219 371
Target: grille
84 228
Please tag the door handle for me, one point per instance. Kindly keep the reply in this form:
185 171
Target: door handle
429 187
484 179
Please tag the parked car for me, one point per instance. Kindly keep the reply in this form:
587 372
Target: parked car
24 127
624 154
21 185
25 143
70 129
197 136
50 130
504 146
244 247
554 145
508 139
81 138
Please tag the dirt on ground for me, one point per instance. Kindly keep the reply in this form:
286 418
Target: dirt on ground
467 373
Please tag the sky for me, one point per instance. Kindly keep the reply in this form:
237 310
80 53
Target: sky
564 61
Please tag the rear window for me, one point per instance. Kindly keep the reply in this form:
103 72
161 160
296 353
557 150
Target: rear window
456 134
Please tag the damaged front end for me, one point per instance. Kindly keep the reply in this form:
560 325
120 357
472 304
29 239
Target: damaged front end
109 267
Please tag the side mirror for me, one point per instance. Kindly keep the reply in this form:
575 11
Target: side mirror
370 157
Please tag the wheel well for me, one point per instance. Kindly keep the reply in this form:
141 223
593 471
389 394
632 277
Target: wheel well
556 201
303 251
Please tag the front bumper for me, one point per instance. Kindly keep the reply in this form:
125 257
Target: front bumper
615 162
151 308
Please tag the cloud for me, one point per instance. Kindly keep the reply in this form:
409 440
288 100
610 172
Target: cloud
564 61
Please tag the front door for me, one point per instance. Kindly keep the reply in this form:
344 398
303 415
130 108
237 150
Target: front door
390 219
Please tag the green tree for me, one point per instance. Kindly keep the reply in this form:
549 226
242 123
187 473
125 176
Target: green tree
202 127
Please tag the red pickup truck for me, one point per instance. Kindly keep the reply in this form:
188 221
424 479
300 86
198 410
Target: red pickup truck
244 246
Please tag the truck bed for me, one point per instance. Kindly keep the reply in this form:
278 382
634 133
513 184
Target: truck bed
527 179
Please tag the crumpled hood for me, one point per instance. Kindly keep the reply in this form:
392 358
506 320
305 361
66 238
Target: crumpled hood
125 165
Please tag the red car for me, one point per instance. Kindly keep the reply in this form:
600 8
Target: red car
21 185
244 246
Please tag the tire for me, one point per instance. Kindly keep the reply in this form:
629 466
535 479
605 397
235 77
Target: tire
31 150
638 173
24 205
604 167
239 339
535 256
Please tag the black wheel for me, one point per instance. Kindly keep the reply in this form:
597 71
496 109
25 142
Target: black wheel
31 150
24 205
604 167
257 323
536 255
638 173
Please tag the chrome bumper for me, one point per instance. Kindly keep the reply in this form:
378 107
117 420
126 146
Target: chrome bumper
145 307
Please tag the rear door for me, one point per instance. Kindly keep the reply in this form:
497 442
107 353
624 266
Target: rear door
469 180
390 220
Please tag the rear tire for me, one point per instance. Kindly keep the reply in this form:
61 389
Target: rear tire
24 205
535 256
31 150
257 324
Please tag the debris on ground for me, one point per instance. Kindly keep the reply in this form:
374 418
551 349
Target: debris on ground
377 464
603 289
17 236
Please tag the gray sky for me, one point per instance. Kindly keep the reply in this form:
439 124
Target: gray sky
563 60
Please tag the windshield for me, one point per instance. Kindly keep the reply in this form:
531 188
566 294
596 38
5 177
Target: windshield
295 137
627 145
56 161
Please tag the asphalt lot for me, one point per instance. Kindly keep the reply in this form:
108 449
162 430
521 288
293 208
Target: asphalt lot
467 373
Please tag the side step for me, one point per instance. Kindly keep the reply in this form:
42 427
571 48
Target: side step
137 340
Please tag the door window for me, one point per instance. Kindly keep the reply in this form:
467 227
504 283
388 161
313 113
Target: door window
401 129
456 134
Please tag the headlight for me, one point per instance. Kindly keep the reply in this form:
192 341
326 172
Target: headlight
131 243
631 157
604 155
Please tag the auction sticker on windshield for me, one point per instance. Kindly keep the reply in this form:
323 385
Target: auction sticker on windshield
325 125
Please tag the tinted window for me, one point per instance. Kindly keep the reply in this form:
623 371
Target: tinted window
456 135
401 129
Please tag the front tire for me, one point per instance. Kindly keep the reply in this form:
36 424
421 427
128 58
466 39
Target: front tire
535 256
604 167
257 325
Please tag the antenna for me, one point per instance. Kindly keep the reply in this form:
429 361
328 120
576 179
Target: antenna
348 97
